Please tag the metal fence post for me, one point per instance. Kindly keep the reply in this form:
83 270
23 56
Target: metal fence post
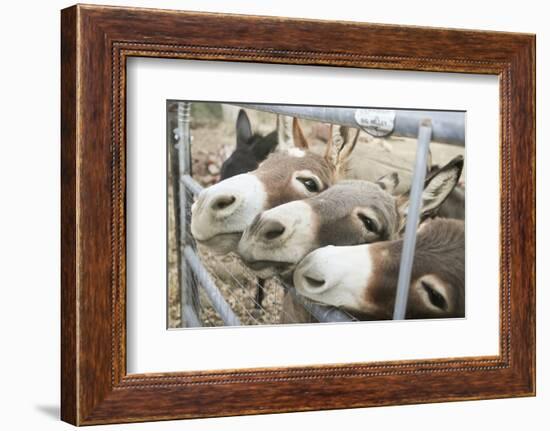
190 303
413 214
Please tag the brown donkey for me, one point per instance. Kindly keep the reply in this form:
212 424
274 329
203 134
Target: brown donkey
223 211
363 278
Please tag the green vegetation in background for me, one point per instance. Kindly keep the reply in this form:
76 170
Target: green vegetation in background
205 113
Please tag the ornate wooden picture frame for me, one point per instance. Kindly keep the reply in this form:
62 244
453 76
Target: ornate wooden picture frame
96 42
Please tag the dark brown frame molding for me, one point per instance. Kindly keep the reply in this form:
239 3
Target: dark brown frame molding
95 43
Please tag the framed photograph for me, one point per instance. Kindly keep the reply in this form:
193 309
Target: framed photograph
266 215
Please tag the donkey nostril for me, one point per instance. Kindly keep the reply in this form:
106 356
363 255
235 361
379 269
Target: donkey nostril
273 230
313 282
223 202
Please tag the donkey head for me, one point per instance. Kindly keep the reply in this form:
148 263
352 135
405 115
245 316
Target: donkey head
251 149
223 211
348 213
363 278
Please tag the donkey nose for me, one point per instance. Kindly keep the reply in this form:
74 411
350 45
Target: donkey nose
272 229
223 202
311 276
313 282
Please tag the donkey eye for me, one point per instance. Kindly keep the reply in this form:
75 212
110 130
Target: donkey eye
434 296
309 184
368 222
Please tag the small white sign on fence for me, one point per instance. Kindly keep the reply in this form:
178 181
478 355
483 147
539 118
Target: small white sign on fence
377 122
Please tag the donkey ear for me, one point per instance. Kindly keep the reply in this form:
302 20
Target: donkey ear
298 135
389 182
440 184
340 147
345 150
284 132
334 139
265 145
437 187
244 129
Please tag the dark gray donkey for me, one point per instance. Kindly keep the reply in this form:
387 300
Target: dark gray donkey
363 278
251 149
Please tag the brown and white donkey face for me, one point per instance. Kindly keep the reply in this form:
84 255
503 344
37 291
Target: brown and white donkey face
348 213
223 211
363 278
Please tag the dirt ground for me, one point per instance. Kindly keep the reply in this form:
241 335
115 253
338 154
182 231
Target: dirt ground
213 140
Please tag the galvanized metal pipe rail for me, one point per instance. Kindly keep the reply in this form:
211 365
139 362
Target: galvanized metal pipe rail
188 182
189 300
413 215
216 298
323 313
190 317
447 126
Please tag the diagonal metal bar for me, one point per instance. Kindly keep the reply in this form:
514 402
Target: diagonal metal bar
323 313
210 288
189 183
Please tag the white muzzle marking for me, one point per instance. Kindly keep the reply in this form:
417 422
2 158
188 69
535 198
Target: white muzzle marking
224 210
291 245
337 276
